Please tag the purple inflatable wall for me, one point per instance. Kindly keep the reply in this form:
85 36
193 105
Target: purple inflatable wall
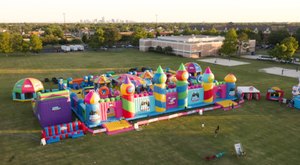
53 112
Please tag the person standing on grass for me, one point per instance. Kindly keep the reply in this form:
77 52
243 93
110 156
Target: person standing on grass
282 72
217 131
232 106
297 69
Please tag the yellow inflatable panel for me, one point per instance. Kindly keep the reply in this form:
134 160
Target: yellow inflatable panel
117 125
226 103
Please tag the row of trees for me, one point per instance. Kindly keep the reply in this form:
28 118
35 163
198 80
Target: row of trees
234 42
107 36
110 36
285 48
55 33
159 49
10 43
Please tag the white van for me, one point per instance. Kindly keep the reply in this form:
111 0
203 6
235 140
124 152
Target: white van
266 58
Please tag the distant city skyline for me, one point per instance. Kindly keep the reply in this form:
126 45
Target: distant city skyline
18 11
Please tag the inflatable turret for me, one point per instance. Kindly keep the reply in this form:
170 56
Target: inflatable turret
127 95
92 108
159 80
230 80
208 85
182 86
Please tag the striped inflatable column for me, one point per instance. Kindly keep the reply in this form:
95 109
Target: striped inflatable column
159 90
208 85
127 95
182 86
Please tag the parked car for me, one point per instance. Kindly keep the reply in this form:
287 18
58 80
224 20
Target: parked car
129 46
266 58
285 61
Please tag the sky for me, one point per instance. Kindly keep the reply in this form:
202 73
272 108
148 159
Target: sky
150 10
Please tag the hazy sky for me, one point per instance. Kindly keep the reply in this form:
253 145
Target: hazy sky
146 10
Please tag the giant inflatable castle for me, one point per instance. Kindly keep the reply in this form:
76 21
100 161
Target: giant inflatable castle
110 101
170 92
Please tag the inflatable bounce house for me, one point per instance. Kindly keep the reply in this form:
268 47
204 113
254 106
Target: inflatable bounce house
96 109
52 108
111 101
275 94
248 92
195 72
26 89
53 111
296 96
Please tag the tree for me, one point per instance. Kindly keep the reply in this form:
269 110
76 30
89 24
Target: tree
150 35
297 34
212 31
50 40
54 30
286 49
111 36
97 39
230 43
243 36
258 37
277 36
36 44
137 35
84 38
63 41
76 41
168 50
243 41
5 43
159 49
25 46
17 42
187 31
151 49
176 32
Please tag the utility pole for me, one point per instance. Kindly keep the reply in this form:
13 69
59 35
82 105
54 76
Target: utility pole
64 14
156 19
156 25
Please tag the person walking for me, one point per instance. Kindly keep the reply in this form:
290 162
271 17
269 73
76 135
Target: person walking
217 131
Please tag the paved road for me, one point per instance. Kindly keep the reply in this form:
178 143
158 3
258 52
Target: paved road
256 56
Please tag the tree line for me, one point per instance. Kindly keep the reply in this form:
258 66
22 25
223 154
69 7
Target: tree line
109 35
285 44
10 43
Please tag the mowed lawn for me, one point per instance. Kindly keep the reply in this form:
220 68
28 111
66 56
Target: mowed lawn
269 132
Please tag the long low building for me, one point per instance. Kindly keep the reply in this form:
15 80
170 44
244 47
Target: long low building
192 46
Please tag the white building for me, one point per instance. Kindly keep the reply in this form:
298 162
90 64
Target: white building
192 46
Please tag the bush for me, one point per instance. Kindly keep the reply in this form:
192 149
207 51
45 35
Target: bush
159 49
168 50
151 49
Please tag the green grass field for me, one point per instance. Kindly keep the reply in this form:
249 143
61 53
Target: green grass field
268 131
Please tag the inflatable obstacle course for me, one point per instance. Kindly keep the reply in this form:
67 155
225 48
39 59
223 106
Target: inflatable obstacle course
105 103
59 132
